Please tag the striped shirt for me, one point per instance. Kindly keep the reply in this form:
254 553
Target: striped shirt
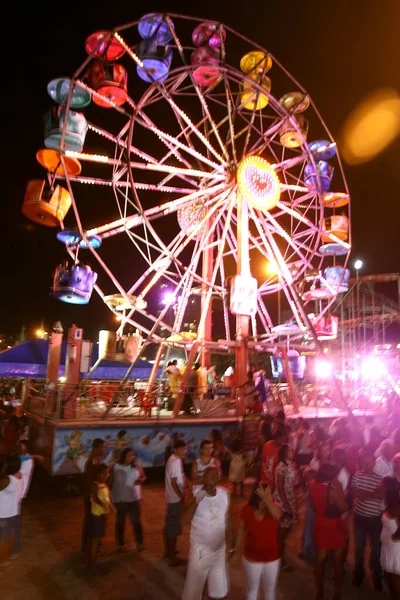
367 482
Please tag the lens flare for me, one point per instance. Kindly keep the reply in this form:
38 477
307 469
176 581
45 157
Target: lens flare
371 127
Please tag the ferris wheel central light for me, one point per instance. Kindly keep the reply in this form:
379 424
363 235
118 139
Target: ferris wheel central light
258 182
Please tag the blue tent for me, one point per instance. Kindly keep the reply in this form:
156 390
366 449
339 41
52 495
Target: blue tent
112 369
28 359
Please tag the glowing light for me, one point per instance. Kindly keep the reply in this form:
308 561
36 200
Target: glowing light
372 368
243 295
358 264
40 333
128 49
189 217
92 157
258 183
62 379
323 369
169 298
371 127
272 268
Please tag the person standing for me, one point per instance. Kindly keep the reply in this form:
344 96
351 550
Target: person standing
248 391
94 459
229 379
262 386
383 464
100 505
390 538
322 455
284 496
125 477
396 467
212 381
11 435
367 497
304 449
339 458
237 469
205 460
258 525
210 539
328 502
270 456
175 480
174 380
11 487
188 398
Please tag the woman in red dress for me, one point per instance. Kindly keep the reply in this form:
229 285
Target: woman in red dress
329 530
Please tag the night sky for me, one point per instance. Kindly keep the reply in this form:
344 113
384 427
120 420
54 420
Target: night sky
339 51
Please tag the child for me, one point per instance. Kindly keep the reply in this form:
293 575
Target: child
100 506
237 472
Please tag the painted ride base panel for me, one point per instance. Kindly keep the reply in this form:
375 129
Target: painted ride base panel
67 444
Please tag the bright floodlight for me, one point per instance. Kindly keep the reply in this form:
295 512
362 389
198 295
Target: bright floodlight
169 298
272 268
358 264
323 369
372 368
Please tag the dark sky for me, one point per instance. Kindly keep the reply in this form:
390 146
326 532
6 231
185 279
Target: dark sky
339 51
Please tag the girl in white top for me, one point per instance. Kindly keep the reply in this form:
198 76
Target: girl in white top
390 538
125 484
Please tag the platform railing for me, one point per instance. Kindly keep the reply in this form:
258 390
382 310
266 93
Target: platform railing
108 399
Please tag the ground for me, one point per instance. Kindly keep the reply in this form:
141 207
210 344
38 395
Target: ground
51 567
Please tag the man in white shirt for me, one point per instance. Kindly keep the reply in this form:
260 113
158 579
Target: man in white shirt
383 464
210 536
339 458
175 481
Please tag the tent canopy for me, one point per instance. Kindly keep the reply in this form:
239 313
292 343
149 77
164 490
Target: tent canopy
112 369
29 359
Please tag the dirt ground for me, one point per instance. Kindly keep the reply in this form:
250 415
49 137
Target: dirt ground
51 567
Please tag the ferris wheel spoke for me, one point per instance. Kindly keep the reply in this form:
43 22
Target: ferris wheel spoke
207 113
164 136
126 184
300 217
207 299
289 163
263 314
122 225
230 117
194 129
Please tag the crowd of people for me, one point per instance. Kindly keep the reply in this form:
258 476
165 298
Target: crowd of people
347 475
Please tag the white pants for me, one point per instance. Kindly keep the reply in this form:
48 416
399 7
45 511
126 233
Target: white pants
268 572
206 565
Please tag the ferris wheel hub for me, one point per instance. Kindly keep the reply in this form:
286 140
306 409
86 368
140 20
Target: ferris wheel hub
258 182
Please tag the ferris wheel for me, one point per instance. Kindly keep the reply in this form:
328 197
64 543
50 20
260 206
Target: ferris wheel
182 155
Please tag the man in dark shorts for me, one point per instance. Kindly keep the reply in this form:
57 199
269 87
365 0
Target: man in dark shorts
175 482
